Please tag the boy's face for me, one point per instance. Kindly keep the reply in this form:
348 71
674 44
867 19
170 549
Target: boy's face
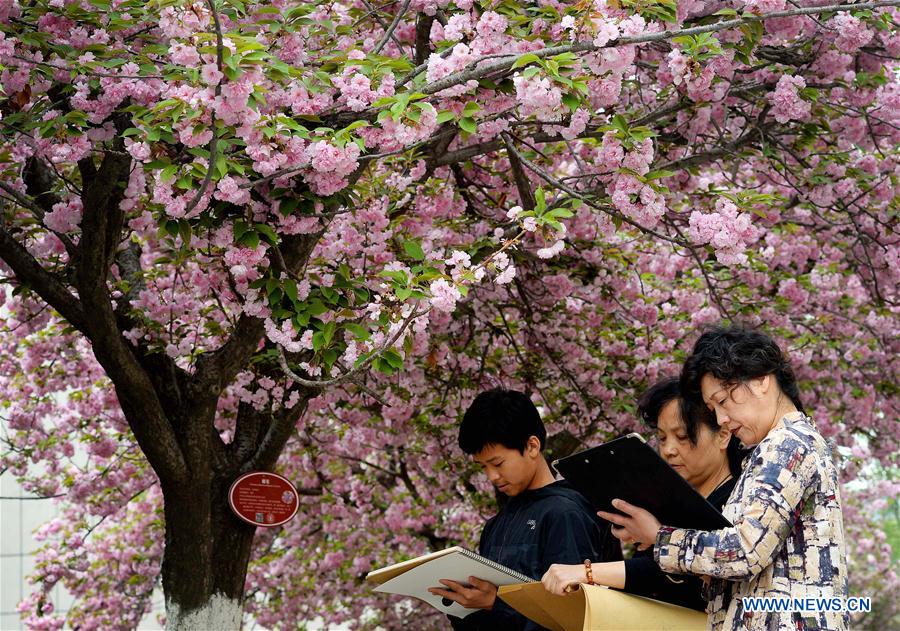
507 469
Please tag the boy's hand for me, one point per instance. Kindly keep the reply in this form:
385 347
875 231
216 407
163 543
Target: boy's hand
478 594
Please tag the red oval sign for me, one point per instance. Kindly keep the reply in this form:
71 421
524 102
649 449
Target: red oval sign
263 499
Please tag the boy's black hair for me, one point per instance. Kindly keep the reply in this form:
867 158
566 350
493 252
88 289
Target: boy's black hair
655 398
500 417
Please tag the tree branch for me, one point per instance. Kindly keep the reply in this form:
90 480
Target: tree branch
102 192
46 285
423 37
247 432
214 141
573 193
216 370
526 195
349 375
277 434
390 30
475 69
38 213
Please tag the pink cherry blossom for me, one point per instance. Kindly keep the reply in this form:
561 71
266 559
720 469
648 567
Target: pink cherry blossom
444 295
786 102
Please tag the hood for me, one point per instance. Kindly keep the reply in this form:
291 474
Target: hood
560 488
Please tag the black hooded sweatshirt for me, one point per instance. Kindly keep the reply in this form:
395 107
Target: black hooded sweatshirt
552 524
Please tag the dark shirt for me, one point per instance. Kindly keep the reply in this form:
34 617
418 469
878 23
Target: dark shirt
644 578
553 524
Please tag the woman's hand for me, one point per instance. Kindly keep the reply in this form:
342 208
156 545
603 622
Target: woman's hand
637 526
559 577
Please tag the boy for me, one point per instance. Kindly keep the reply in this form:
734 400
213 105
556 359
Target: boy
545 521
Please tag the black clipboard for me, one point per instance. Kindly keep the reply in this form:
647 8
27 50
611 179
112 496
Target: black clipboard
628 468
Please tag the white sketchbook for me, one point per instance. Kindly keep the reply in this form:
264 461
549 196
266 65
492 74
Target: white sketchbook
414 577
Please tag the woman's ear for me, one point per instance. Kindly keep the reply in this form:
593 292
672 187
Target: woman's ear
723 437
761 385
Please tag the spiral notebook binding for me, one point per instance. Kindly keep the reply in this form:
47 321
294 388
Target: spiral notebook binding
497 566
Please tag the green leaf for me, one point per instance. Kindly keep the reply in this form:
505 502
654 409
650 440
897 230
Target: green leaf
354 125
396 275
328 332
359 332
233 74
393 358
290 289
468 125
330 294
287 205
560 213
221 166
267 232
571 101
524 60
382 366
540 200
184 229
239 229
168 173
250 239
470 109
385 100
619 122
414 249
565 59
444 116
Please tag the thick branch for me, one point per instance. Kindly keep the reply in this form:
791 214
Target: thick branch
38 214
280 429
47 286
103 190
247 432
526 195
423 37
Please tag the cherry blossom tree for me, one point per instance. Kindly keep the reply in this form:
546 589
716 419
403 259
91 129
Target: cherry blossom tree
302 235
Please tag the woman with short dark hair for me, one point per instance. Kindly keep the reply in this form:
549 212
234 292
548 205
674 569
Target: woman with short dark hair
787 540
705 455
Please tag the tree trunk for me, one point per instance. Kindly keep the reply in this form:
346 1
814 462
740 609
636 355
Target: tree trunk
206 556
219 613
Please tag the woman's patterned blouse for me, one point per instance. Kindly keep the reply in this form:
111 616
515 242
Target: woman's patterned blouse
787 540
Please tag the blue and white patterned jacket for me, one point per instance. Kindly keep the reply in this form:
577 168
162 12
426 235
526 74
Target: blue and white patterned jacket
787 539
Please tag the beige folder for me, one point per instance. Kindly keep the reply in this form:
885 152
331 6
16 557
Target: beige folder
598 608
